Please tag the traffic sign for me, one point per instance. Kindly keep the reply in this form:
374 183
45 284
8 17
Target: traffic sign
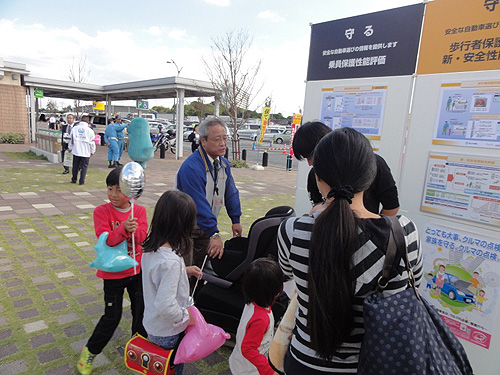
98 106
142 104
38 93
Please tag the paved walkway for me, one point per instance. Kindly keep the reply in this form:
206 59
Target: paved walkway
50 298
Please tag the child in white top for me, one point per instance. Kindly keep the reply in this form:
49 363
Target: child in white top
164 274
262 284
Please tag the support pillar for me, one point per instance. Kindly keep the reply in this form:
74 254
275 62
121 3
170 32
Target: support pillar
180 124
32 115
217 106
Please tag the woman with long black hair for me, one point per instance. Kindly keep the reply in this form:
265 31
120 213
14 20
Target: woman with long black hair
335 257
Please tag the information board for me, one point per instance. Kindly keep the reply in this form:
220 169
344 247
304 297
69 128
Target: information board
360 108
463 186
462 280
469 114
372 45
459 36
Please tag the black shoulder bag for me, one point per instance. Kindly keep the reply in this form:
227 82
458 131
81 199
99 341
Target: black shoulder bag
403 333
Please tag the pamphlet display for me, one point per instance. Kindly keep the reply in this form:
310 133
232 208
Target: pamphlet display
360 108
469 114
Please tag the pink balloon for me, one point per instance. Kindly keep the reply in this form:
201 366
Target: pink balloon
200 339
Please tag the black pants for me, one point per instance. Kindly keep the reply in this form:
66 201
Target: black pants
113 301
63 152
80 163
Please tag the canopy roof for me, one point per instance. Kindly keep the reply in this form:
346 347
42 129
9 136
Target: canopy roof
158 88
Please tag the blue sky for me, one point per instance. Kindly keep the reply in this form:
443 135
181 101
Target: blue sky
131 40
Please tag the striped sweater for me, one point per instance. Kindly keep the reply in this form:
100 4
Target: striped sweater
366 266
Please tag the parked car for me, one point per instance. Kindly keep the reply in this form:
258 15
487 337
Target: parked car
154 127
457 289
268 135
247 131
163 121
187 131
284 137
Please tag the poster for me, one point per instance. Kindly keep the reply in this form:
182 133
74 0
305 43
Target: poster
360 108
463 186
461 280
460 36
469 114
371 45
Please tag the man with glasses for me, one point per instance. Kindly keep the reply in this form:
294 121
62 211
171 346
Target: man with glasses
206 177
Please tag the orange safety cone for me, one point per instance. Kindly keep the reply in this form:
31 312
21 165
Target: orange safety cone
284 148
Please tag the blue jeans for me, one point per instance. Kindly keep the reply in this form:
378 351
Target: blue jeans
168 342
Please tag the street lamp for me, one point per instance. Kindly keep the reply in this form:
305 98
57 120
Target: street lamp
176 67
171 61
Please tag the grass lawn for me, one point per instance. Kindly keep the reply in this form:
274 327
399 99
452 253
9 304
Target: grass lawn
50 178
29 155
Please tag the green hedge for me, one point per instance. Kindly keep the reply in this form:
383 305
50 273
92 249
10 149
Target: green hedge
12 138
238 164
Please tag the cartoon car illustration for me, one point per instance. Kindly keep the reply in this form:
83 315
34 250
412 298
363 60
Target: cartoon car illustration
457 289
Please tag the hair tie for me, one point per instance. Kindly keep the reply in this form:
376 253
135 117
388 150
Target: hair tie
342 192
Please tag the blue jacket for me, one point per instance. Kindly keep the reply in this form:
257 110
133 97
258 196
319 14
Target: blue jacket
112 131
192 180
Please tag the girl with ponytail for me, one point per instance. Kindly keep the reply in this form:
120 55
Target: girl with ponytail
335 257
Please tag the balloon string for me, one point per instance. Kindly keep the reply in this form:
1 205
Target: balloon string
133 236
196 284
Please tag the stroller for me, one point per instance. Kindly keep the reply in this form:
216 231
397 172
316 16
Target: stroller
220 299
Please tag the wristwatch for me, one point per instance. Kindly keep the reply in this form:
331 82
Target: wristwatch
215 236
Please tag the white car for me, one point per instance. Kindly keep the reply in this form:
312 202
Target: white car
268 135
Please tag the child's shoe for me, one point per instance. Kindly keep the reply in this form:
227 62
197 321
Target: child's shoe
85 363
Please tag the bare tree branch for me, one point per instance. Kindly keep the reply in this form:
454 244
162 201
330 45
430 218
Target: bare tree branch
230 71
79 73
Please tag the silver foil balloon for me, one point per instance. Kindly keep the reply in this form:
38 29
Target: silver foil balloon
132 180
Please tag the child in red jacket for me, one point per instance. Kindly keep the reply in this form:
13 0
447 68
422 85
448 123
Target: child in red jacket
262 284
116 219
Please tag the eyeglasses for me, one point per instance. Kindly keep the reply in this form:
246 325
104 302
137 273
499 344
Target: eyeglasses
218 139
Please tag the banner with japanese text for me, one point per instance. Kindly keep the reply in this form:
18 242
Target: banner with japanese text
266 112
296 121
460 36
372 45
461 280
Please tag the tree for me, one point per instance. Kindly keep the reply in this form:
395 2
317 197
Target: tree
230 72
66 109
79 73
51 106
160 109
200 108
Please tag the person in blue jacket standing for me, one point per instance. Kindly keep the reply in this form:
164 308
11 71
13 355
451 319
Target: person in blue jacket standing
206 176
121 138
111 139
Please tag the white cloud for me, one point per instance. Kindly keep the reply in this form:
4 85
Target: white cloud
154 30
271 16
220 3
177 34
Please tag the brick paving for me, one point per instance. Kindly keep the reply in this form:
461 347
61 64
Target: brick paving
50 299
